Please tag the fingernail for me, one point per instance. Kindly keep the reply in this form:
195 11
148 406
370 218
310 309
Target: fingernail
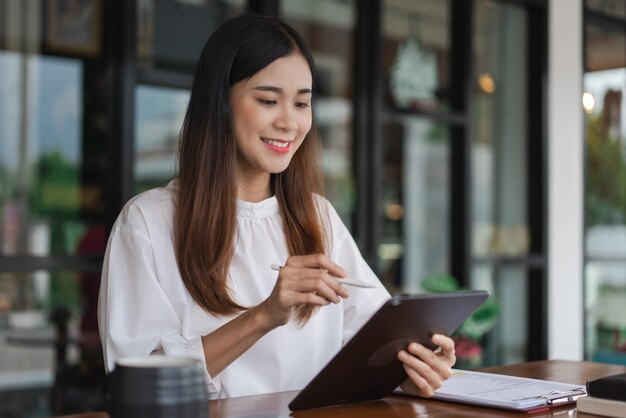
344 292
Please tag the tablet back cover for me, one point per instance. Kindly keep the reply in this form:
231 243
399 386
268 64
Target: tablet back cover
367 368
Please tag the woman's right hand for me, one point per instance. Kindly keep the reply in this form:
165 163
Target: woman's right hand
304 280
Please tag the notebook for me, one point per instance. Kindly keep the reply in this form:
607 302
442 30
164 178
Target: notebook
507 392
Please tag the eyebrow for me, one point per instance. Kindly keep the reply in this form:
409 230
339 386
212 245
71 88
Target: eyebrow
279 90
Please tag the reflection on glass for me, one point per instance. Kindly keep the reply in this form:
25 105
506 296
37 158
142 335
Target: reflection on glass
500 135
43 204
605 187
507 342
171 33
159 113
415 54
328 27
414 232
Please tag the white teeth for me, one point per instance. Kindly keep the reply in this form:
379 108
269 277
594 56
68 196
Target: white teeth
278 144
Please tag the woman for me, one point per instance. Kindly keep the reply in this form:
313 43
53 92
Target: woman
187 270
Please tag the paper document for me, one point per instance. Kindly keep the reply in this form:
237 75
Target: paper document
509 392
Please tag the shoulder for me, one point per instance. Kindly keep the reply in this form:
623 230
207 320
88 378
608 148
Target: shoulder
148 209
327 211
336 230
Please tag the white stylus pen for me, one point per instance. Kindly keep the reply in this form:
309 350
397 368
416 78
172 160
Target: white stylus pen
348 282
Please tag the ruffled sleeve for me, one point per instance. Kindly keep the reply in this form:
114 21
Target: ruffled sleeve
135 315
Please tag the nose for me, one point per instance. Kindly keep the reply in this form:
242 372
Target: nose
285 121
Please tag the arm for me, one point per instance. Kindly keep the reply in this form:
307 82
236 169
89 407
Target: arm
303 280
137 318
135 315
141 308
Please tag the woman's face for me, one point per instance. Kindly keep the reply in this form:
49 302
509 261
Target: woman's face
272 115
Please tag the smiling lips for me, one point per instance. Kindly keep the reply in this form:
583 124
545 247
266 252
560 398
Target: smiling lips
277 145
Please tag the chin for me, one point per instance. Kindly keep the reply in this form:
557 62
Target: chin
276 167
277 170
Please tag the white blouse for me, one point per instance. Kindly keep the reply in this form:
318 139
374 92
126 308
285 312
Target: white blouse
144 307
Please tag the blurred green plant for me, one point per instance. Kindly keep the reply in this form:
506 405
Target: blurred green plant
55 198
468 337
55 189
606 175
481 321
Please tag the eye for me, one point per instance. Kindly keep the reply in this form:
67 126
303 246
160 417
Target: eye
302 105
267 102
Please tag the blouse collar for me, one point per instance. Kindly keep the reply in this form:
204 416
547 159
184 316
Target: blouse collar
249 210
257 210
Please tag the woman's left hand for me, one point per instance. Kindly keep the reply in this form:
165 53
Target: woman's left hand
427 369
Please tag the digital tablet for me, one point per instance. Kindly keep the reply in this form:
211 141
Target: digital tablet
367 367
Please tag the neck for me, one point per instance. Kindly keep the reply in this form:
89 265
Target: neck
253 188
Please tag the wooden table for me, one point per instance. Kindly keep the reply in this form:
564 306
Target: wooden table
275 405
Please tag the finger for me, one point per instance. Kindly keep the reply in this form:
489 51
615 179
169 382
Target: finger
434 362
449 359
439 364
446 348
319 261
300 274
299 298
422 386
333 283
421 368
446 343
317 286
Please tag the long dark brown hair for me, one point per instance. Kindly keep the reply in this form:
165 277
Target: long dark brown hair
205 220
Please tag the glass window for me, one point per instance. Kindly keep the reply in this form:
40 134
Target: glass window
507 342
604 103
499 156
328 27
50 191
499 192
53 165
605 305
415 203
171 33
159 114
415 54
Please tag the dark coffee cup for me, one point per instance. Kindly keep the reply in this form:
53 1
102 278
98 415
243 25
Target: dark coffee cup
157 387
